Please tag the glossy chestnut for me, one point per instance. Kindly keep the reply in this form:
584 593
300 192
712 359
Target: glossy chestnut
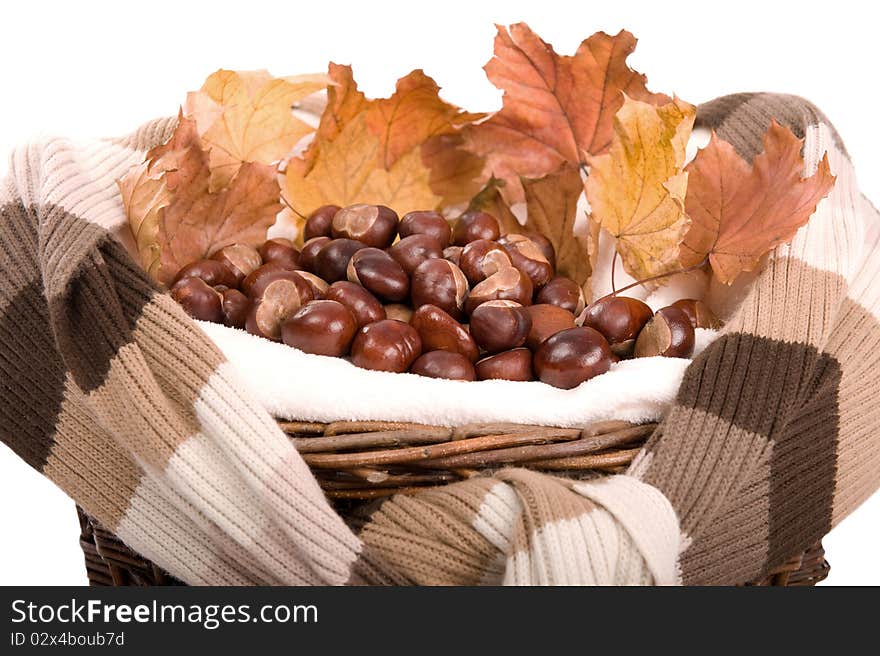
507 284
198 299
275 297
440 332
526 256
699 313
235 308
669 333
471 226
310 251
481 258
440 283
331 262
321 328
500 325
319 285
453 254
620 319
319 222
399 311
281 251
240 258
562 292
211 272
547 320
411 251
444 364
386 345
425 223
374 225
365 307
571 357
515 364
378 273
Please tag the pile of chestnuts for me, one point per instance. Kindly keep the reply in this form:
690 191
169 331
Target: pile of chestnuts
454 300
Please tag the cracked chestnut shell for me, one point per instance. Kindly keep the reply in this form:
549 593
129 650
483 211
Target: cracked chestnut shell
365 307
507 284
411 251
620 319
444 364
321 328
198 299
429 223
500 325
481 258
378 273
441 283
319 222
571 357
471 226
526 256
281 251
275 297
440 332
515 364
668 333
562 292
240 258
374 225
699 313
386 345
211 272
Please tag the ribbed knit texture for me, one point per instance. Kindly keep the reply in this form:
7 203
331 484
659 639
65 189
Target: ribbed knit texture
110 390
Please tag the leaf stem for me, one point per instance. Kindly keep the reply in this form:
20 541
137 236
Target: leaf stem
290 207
613 269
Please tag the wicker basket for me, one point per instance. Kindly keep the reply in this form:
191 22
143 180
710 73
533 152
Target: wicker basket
360 463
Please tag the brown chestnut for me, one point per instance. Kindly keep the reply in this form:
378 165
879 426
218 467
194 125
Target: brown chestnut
619 319
481 258
212 272
319 285
240 258
411 251
281 251
198 299
500 325
471 226
699 313
365 307
545 245
453 254
562 292
275 297
444 364
374 225
255 276
425 223
321 328
669 333
515 364
399 311
379 273
547 320
331 262
440 332
508 284
386 345
235 308
440 283
572 356
310 251
528 258
319 221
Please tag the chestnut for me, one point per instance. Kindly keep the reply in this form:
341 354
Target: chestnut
508 284
240 258
321 328
331 262
258 276
562 292
399 311
572 356
440 332
444 364
471 226
275 297
699 313
374 225
319 221
386 345
211 272
411 251
619 319
545 245
453 254
310 251
365 307
235 308
670 333
319 285
198 299
500 325
481 258
280 251
379 273
528 258
440 283
547 320
515 364
432 224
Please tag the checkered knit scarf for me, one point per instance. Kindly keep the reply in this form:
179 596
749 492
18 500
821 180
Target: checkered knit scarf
111 391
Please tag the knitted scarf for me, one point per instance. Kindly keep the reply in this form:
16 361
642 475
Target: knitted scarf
111 391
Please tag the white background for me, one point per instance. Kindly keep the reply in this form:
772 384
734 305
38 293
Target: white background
102 68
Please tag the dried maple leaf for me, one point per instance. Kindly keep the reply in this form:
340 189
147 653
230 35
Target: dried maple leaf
551 204
247 117
345 172
196 222
740 212
455 172
490 200
555 108
636 190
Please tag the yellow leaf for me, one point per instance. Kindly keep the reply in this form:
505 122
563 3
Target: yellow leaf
636 190
144 194
345 172
247 117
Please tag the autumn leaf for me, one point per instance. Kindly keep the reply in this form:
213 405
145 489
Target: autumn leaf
197 222
490 200
555 108
551 204
455 172
740 212
346 172
636 190
247 117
